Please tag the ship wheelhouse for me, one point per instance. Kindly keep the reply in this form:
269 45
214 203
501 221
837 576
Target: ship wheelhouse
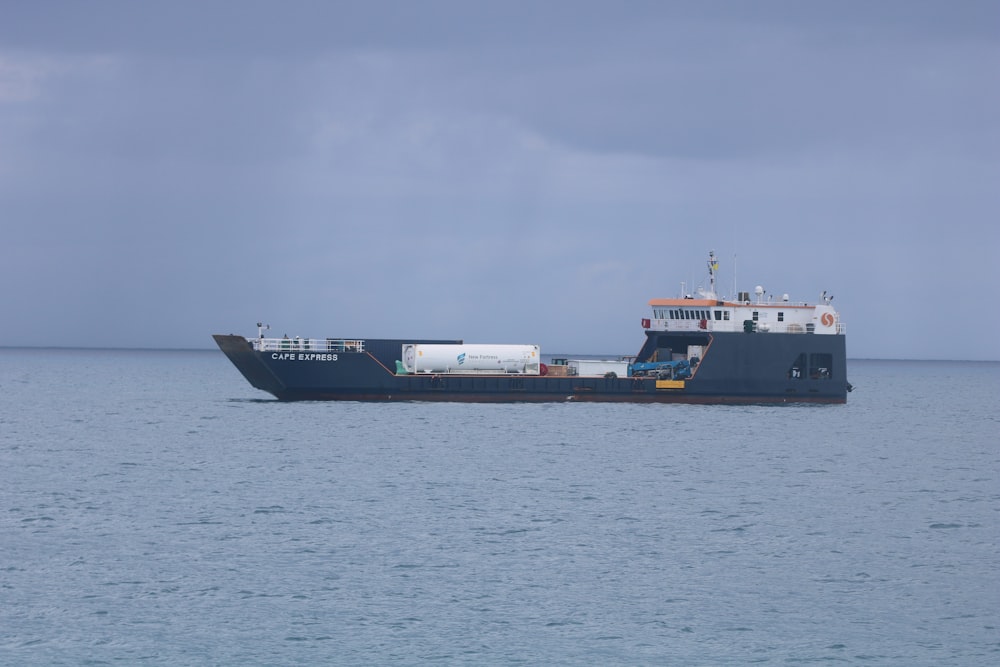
763 314
743 316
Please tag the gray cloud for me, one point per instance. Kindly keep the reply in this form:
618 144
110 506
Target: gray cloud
520 173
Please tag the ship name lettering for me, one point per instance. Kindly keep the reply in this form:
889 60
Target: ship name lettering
313 356
303 356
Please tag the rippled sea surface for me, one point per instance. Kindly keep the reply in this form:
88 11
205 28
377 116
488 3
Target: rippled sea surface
155 509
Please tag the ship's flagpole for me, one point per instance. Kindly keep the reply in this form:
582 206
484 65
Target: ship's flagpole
732 295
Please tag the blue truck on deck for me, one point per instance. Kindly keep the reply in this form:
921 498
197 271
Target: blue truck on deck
664 370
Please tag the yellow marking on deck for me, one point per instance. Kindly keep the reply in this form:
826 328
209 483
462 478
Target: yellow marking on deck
670 384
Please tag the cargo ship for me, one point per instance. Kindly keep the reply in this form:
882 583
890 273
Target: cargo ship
751 348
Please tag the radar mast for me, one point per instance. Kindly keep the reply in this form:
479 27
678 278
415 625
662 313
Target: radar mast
713 267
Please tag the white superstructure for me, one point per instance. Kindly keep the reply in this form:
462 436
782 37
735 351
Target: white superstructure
760 314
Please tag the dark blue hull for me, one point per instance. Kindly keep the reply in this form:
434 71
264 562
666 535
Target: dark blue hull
734 368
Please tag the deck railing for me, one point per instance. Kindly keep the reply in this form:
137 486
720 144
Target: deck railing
307 345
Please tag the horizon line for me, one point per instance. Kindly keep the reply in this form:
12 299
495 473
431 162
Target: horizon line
557 354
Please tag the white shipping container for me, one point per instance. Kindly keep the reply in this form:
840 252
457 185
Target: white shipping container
425 358
598 367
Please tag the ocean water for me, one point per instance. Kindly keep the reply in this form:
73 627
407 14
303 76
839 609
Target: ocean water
155 509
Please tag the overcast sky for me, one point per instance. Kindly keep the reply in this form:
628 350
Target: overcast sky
502 172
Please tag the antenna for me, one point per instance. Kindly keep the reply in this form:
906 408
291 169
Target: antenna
713 266
261 328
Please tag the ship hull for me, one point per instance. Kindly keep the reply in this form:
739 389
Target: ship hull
735 368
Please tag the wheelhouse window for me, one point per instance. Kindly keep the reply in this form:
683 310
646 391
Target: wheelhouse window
781 316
